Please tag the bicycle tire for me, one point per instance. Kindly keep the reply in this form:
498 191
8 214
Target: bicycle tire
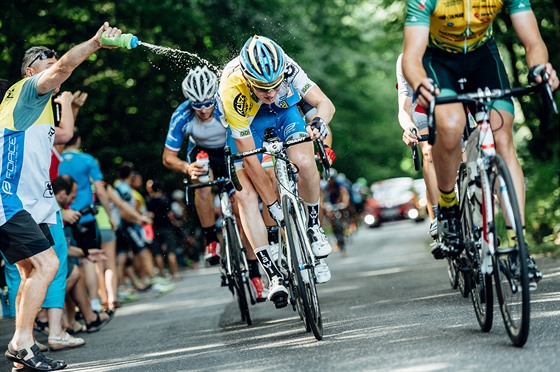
510 263
239 279
462 264
479 284
307 289
452 273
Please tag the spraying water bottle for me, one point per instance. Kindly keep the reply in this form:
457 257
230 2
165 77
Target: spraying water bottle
127 41
203 160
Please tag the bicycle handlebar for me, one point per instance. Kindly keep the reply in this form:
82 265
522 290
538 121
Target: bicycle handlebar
482 96
221 182
415 157
274 147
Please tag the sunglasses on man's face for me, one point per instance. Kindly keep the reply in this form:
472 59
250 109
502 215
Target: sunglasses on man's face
267 89
203 105
44 55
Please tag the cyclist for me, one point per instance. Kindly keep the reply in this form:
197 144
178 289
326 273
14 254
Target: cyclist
198 121
261 89
446 41
411 116
336 200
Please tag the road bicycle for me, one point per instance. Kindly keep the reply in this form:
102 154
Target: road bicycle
297 259
235 273
489 207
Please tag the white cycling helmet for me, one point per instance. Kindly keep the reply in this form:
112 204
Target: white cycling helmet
200 84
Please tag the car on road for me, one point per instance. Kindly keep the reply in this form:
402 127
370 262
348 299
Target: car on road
392 200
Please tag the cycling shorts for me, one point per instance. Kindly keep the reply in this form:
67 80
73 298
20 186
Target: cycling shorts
216 158
481 68
287 123
130 239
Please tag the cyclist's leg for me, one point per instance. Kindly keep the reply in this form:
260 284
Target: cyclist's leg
444 70
428 172
204 205
252 221
494 76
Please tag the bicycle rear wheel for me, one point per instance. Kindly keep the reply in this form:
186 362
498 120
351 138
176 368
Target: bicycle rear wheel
304 269
239 275
476 282
510 262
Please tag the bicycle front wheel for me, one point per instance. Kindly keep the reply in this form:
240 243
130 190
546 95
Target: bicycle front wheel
304 269
239 275
476 282
510 260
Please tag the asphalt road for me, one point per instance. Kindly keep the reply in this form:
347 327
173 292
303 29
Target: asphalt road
389 306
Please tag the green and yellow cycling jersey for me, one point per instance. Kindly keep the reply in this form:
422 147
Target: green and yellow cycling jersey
460 26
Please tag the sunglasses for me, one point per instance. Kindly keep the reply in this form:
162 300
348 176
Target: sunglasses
267 88
44 55
203 105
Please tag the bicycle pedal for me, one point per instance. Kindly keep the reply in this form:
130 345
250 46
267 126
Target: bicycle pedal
280 300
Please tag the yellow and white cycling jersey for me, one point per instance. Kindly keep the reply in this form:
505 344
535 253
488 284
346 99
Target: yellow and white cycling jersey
240 106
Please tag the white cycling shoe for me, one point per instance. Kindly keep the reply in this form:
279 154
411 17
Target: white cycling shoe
322 272
277 293
319 242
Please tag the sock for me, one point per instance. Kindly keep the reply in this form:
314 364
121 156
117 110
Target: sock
210 234
272 234
253 268
435 209
447 199
313 214
269 266
512 238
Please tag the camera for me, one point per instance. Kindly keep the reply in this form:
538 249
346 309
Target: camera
90 209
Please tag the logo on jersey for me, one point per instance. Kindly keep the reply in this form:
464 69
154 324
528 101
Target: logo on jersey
306 88
284 104
291 71
48 193
240 104
245 133
11 166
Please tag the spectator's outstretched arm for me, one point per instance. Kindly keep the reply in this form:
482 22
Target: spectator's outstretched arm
61 70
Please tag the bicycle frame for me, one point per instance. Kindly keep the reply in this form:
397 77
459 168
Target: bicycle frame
228 218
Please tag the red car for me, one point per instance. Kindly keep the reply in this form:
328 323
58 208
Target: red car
391 200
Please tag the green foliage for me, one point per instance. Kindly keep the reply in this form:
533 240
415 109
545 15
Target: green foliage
349 47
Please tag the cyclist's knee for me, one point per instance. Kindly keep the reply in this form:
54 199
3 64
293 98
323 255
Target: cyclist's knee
427 154
246 198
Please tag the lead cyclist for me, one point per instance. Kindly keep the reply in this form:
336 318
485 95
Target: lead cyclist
447 41
261 89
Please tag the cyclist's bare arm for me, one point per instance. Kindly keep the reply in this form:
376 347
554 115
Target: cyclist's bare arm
405 121
325 108
256 172
172 162
415 43
536 53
